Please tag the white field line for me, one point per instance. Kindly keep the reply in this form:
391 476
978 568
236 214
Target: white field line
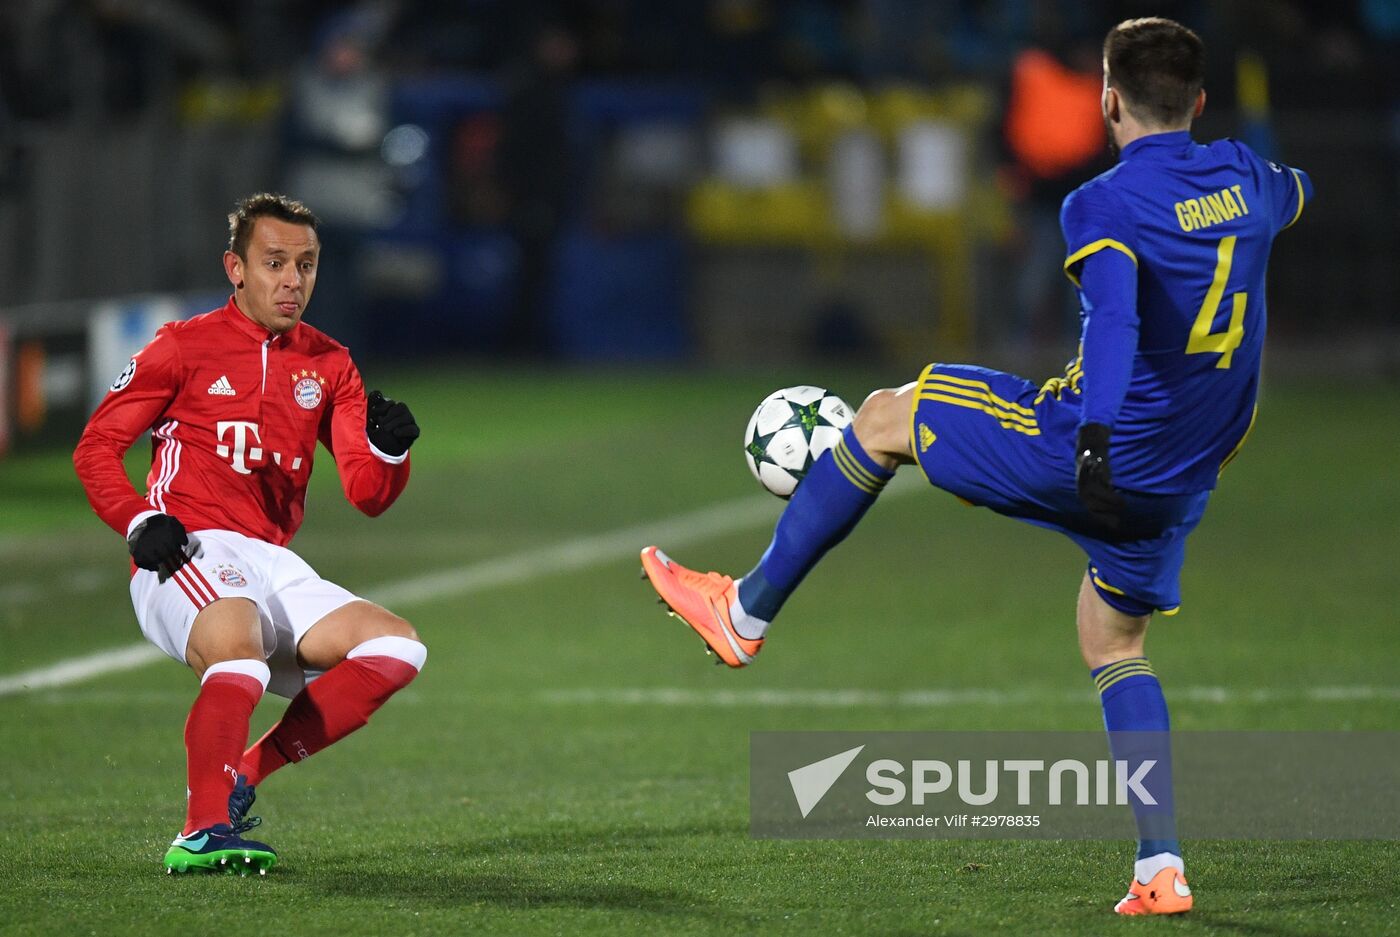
585 552
78 669
582 553
570 556
755 699
79 581
935 698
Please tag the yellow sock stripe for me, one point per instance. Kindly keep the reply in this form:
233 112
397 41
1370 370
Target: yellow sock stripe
990 399
1001 418
1121 670
1141 671
844 453
980 385
1105 680
855 473
1109 671
850 476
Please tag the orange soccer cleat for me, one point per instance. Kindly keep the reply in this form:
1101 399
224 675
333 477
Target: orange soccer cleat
702 601
1167 893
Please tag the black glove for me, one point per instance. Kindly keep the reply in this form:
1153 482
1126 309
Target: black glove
1092 477
389 424
158 543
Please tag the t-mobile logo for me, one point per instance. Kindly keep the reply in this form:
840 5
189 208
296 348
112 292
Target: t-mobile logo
241 453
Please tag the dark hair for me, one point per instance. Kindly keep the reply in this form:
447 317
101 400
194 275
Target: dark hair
1158 65
264 205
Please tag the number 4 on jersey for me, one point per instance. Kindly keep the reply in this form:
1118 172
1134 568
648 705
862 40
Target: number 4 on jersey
1202 338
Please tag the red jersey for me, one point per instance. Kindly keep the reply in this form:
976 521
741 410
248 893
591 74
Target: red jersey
235 412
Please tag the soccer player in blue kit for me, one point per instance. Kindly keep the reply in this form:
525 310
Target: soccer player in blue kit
1168 252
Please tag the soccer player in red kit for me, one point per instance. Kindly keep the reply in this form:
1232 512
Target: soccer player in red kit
236 400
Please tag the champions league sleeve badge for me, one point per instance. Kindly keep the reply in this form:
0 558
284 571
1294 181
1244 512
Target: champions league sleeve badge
125 377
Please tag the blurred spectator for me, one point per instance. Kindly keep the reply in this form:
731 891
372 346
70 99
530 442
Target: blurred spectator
119 76
1054 138
340 95
338 117
535 173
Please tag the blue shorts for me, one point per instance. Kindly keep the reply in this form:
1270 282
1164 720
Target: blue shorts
998 441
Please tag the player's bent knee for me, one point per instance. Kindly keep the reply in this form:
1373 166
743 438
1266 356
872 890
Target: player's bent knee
882 427
334 637
386 624
1100 653
402 629
226 629
1106 634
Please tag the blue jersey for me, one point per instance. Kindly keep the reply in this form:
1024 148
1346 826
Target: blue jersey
1173 366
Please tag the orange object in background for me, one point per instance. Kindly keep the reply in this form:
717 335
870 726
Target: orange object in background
4 389
1054 121
30 405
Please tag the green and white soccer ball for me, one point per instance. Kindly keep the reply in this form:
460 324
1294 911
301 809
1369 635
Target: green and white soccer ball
788 431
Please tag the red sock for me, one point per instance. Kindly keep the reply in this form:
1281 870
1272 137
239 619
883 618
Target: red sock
215 733
329 708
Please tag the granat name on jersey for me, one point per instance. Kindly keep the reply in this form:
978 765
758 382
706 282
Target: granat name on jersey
1194 214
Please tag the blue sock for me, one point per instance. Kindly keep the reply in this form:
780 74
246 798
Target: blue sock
1135 715
839 488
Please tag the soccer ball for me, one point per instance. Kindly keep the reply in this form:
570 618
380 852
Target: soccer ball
788 431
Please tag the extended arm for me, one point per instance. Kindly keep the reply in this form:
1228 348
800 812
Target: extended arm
132 406
135 402
1108 286
1103 264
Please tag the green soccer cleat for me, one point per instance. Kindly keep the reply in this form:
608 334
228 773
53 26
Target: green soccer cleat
218 849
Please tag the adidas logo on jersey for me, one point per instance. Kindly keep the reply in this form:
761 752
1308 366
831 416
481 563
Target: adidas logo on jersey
926 437
222 387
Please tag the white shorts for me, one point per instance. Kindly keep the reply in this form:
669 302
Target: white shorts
290 598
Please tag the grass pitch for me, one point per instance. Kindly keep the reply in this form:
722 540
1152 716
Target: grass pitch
570 763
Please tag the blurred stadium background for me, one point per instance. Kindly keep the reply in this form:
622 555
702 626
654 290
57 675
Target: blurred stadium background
582 241
723 182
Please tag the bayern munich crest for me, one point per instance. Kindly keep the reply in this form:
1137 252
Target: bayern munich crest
231 576
306 389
